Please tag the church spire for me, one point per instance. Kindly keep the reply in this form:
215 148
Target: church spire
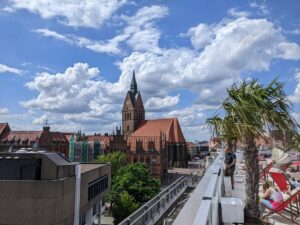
133 85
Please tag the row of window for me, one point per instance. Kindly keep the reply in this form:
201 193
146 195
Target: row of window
138 116
97 186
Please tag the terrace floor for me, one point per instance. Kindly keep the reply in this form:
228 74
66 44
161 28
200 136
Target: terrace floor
239 192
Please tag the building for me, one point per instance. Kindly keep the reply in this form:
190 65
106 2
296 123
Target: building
157 143
46 188
45 139
133 112
193 148
280 138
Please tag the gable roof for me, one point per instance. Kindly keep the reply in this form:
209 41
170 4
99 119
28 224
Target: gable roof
3 126
58 136
153 128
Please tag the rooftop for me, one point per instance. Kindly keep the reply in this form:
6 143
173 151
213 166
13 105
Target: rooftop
86 167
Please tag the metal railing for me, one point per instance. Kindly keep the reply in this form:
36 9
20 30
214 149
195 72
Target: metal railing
205 198
151 212
208 213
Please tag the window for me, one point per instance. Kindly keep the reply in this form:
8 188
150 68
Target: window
97 186
151 146
82 219
139 145
127 128
94 209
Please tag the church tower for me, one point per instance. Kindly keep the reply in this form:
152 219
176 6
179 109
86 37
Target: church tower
133 111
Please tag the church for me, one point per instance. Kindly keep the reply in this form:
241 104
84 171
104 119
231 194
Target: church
158 143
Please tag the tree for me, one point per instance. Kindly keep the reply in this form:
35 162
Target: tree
134 179
125 206
117 160
250 108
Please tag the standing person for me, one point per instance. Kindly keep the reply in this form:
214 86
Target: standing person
230 160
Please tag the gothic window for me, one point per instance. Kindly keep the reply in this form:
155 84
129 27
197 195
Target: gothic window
151 146
127 128
139 146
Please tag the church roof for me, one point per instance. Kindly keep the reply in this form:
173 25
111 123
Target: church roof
133 85
153 128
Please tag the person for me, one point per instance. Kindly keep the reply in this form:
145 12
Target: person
230 161
293 183
272 197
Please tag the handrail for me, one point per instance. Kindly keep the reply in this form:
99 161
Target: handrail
174 190
205 198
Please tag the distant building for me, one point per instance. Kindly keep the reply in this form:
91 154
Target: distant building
45 139
44 188
280 138
193 148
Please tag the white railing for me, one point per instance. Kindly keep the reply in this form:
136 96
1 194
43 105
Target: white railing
205 198
152 211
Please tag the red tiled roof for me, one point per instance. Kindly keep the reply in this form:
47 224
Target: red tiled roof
68 136
58 136
22 136
153 128
2 127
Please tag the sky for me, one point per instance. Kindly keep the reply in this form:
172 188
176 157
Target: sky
70 62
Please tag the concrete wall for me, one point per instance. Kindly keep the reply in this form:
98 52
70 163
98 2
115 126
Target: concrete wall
88 177
37 202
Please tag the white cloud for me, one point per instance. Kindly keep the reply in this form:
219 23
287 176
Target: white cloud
295 31
189 116
4 111
295 98
262 8
235 46
7 69
201 35
139 33
161 104
76 13
237 13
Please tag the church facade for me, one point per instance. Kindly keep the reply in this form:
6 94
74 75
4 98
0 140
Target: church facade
158 143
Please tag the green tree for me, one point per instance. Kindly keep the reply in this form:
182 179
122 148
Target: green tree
125 206
116 159
250 108
134 179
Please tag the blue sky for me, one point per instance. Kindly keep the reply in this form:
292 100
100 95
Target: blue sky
71 61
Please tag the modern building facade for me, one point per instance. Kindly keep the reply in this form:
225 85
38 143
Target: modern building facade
48 189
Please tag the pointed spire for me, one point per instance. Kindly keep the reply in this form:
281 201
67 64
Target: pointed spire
133 85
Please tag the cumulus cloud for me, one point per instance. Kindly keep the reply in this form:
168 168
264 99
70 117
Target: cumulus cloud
189 116
139 33
232 47
296 96
237 13
201 35
161 104
4 111
7 69
78 13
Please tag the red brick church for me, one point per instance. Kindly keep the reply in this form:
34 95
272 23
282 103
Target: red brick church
158 143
